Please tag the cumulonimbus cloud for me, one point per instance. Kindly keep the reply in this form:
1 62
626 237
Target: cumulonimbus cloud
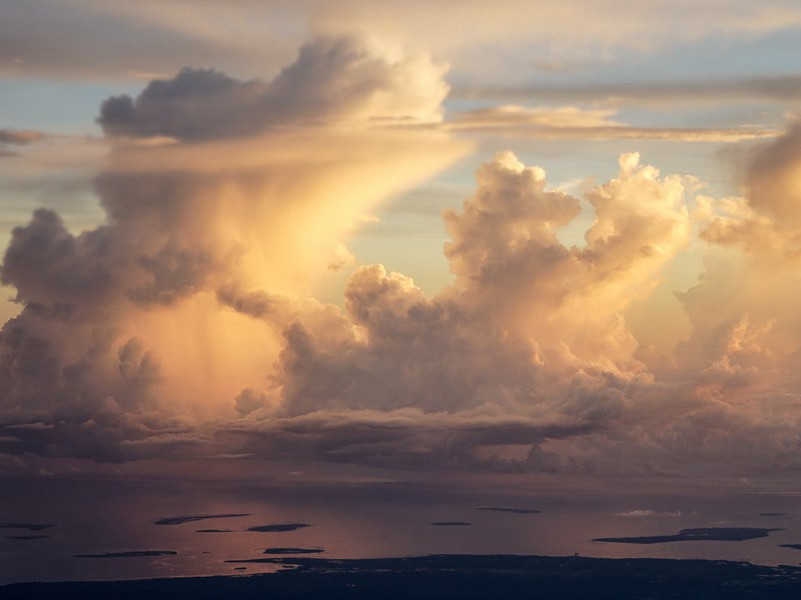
121 322
186 324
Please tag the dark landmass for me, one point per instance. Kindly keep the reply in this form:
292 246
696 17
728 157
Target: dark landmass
458 577
276 551
293 550
240 568
506 509
270 561
26 537
215 530
189 519
28 526
702 534
450 523
772 514
278 527
793 546
131 554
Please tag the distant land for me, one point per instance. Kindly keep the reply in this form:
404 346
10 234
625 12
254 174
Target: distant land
278 527
702 534
293 550
131 554
508 509
454 576
215 530
28 526
189 519
26 537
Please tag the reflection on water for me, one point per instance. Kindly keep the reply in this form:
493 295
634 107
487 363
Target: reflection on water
118 520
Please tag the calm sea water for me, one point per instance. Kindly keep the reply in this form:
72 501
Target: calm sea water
369 519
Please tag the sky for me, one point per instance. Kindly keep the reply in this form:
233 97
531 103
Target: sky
547 237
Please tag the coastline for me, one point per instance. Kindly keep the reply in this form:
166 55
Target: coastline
454 576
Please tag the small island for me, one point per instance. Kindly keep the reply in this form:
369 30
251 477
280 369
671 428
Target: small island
28 526
131 554
701 534
278 527
509 509
189 519
293 550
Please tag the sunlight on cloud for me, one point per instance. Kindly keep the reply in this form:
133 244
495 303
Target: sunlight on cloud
186 324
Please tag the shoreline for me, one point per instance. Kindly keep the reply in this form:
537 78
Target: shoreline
453 575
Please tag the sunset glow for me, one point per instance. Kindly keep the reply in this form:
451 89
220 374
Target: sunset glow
368 239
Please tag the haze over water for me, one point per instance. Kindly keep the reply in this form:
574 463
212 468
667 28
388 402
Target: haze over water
364 519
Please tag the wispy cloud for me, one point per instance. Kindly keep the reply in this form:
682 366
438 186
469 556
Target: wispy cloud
570 122
776 88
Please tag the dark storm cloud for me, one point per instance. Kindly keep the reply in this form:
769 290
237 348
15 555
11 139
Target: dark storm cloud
406 438
333 79
48 266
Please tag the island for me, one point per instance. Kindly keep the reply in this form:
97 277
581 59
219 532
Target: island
293 550
215 530
508 509
189 519
130 554
28 526
702 534
278 527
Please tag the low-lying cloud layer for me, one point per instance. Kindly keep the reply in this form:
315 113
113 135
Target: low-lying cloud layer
186 324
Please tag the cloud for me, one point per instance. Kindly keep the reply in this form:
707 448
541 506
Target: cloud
16 137
93 39
93 354
509 116
529 348
526 347
775 88
755 239
647 512
333 80
19 137
555 27
53 38
186 325
570 122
